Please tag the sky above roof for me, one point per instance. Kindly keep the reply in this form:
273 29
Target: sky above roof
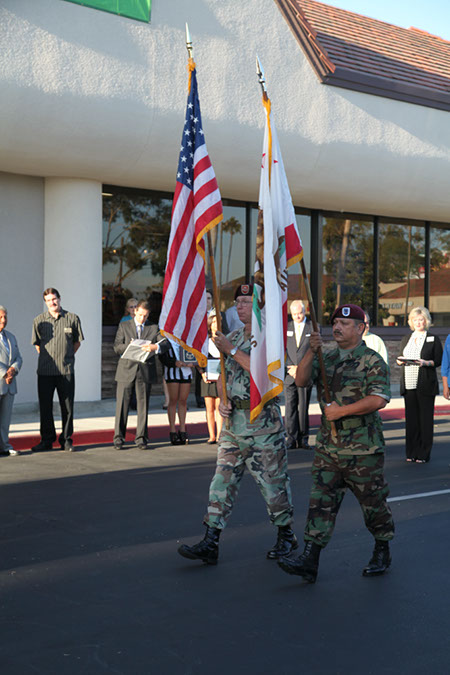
432 16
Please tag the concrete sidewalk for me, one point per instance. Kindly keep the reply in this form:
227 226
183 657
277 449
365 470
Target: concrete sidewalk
94 421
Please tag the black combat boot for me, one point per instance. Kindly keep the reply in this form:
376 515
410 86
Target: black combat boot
207 550
286 542
306 565
380 560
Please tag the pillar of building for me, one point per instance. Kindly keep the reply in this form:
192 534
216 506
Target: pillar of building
73 265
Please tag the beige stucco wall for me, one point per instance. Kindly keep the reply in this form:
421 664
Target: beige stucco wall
92 95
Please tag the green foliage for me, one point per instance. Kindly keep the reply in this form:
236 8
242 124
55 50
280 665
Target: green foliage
137 234
348 266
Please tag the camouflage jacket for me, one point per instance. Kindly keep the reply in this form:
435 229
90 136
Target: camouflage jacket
238 389
362 372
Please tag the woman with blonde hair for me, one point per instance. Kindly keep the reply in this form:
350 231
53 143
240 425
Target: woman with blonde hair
421 354
130 310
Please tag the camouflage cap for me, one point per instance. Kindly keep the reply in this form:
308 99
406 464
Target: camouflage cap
244 289
348 312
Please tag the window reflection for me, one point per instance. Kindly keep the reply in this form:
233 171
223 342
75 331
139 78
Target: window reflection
228 241
401 271
347 263
136 231
296 286
440 276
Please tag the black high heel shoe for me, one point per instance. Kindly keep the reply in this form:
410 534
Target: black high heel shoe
182 438
174 438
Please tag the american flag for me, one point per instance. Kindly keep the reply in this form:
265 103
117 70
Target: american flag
197 208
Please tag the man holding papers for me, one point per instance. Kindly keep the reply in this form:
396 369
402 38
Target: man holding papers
133 373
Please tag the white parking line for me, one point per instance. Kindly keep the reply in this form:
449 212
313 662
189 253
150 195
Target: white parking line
419 495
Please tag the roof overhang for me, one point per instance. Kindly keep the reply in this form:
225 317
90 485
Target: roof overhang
328 73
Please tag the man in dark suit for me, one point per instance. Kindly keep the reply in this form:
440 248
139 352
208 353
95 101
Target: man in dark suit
136 375
296 398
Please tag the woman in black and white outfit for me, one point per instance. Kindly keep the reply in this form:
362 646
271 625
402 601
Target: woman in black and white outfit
178 376
419 384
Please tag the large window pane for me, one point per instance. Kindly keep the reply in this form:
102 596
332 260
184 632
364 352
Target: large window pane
296 287
440 275
347 263
401 271
135 236
228 242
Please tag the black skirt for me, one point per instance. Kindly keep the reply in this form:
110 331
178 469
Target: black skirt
208 389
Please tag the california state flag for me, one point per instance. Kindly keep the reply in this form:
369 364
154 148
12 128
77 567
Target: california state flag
278 246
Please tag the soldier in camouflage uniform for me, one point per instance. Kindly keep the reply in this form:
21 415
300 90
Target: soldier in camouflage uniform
359 385
259 447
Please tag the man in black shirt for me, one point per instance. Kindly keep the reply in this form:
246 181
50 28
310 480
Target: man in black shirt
57 336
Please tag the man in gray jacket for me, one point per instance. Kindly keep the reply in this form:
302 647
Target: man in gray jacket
10 364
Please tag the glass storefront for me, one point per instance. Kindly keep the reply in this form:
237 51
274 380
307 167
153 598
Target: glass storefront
347 263
401 271
136 231
440 275
229 245
379 263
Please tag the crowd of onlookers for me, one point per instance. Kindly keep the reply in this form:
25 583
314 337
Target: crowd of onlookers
57 336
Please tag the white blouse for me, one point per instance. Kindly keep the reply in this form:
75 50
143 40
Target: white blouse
412 351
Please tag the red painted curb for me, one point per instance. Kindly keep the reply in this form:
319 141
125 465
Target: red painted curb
106 436
161 432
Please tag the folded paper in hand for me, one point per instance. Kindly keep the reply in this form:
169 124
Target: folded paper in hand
134 351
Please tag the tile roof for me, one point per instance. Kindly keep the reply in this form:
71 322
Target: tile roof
439 285
356 52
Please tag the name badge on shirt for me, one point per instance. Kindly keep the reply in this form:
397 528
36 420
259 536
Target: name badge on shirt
308 335
430 338
290 333
68 331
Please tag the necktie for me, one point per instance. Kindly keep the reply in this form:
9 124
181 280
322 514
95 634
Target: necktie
5 342
139 330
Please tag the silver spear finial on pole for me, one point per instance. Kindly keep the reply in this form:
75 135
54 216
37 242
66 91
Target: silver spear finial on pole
189 42
261 76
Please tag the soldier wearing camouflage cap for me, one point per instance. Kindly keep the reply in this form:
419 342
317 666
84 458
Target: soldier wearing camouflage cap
359 384
259 447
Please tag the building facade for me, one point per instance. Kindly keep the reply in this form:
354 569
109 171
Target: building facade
91 115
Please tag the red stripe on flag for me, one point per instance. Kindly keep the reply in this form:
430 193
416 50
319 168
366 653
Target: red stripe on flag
202 164
293 243
175 310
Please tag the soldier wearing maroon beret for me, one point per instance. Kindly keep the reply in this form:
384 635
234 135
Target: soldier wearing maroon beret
353 458
257 447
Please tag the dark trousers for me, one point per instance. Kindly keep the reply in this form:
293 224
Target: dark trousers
65 387
296 416
419 419
123 396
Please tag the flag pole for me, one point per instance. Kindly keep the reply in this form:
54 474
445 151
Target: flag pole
312 310
212 266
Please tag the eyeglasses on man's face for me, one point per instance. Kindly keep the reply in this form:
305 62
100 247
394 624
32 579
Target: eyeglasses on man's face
239 303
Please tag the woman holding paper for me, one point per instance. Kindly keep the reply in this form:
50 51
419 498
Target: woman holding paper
421 354
208 387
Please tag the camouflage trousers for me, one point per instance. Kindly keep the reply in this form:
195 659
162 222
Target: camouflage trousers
266 459
332 474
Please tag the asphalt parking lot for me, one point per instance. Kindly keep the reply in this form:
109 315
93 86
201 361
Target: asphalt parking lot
91 582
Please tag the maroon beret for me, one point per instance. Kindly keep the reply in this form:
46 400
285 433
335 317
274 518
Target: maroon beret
244 289
348 312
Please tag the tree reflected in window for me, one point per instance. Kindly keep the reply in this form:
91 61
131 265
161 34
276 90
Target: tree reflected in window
347 263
